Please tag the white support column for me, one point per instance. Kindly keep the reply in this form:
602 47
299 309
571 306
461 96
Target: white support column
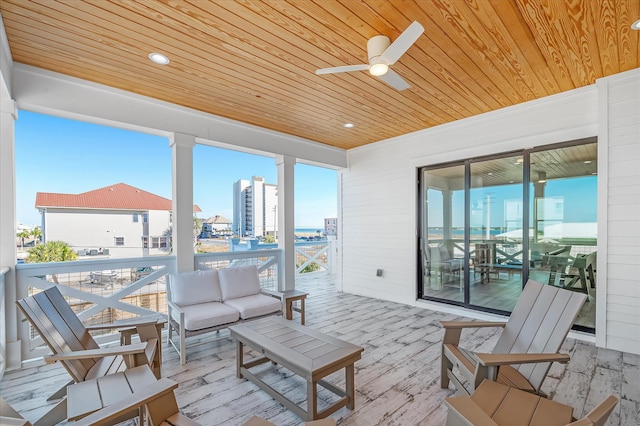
286 219
10 357
182 171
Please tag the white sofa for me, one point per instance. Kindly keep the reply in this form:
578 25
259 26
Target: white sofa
203 301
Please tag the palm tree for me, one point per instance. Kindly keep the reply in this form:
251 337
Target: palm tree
197 228
36 233
22 235
52 251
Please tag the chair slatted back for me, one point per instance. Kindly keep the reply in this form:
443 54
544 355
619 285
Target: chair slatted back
60 328
539 323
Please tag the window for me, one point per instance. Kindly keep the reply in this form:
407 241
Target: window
160 242
145 242
119 241
145 217
487 225
135 218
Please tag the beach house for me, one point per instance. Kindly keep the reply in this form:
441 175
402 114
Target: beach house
494 123
116 221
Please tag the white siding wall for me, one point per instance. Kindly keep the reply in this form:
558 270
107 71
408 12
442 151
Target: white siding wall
92 229
620 210
159 226
379 189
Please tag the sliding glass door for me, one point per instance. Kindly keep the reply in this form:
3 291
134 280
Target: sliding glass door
489 224
496 230
442 242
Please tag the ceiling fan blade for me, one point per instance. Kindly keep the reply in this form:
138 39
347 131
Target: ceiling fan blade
394 80
345 68
402 43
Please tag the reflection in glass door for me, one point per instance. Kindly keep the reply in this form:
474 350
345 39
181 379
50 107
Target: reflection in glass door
496 230
442 233
489 224
563 238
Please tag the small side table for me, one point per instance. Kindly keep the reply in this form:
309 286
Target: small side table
288 297
146 329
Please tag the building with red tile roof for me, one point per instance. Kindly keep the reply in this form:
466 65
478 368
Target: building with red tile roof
119 220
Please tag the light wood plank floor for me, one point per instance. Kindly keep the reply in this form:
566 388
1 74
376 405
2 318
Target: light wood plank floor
397 380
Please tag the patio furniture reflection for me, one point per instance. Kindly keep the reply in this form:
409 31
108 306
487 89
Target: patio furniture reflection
575 274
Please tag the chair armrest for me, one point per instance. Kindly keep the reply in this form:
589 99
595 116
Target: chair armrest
471 324
453 329
127 324
489 360
464 411
581 422
133 349
136 400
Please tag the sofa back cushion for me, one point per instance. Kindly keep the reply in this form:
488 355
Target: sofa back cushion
194 287
239 282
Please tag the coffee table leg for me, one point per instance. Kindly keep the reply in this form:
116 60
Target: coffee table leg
240 361
349 384
302 311
312 400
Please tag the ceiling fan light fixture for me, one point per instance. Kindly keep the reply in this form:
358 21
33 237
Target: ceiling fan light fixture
378 69
159 58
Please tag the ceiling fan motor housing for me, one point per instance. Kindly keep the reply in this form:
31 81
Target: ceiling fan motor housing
376 47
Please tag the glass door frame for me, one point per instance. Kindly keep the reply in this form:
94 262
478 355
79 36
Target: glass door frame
526 217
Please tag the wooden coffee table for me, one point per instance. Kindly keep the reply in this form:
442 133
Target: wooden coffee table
308 353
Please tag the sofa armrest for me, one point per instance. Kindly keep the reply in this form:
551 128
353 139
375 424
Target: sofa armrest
172 306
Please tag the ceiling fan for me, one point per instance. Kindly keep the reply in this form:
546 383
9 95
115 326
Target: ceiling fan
382 53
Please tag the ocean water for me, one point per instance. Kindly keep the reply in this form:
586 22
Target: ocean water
309 230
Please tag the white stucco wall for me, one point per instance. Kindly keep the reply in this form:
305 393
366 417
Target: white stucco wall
379 188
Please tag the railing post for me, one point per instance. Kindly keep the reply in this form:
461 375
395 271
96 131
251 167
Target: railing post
182 173
280 272
286 231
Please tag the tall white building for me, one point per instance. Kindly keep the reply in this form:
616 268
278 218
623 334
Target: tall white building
255 208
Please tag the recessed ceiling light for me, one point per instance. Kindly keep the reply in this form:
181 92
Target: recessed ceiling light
159 58
349 125
636 25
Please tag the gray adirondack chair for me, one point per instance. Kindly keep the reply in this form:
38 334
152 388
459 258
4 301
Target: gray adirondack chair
529 342
75 348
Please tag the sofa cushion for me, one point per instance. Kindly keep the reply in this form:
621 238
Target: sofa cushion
205 315
239 282
254 305
195 287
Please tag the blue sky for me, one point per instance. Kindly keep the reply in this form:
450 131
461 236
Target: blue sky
579 202
60 155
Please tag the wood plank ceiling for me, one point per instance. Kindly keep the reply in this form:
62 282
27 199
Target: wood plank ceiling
255 60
